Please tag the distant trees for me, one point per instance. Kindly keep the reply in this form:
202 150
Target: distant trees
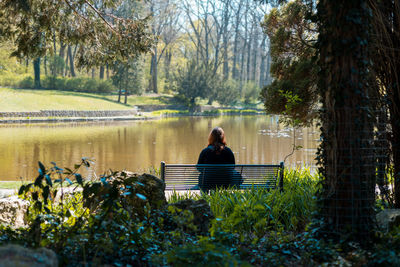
228 34
127 78
92 38
164 24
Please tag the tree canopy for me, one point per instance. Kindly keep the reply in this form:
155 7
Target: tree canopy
292 36
34 26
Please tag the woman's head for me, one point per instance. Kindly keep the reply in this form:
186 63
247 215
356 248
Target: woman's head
217 138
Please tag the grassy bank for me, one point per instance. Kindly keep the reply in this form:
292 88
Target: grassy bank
34 100
25 100
10 184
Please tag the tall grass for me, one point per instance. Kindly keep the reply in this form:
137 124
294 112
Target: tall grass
255 210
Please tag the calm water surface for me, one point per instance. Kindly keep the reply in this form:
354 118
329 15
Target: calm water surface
138 145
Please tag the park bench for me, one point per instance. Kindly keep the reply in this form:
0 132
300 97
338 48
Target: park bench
190 176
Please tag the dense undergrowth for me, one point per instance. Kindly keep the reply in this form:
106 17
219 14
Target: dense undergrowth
113 221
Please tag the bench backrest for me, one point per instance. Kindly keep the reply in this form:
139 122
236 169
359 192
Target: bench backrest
190 176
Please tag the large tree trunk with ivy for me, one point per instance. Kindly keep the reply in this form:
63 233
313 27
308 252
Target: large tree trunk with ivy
346 156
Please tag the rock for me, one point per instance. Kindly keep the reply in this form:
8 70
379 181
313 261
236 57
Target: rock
7 192
12 211
388 219
153 189
141 191
14 255
202 213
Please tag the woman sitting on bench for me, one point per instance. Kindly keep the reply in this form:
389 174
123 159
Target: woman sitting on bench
216 153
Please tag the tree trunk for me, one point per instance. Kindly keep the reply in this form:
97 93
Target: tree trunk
71 62
66 65
255 54
92 73
62 55
167 64
225 40
119 93
101 75
248 78
262 63
268 71
235 44
126 96
36 69
346 158
153 73
45 65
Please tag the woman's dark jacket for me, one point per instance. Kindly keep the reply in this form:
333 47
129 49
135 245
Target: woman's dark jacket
218 177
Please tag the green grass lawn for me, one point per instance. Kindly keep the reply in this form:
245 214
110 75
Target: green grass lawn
10 184
145 99
35 100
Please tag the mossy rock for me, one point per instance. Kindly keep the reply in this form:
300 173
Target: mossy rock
388 219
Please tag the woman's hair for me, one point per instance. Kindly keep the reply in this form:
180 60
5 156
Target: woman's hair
217 139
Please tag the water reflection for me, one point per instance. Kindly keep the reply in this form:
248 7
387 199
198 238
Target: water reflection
140 144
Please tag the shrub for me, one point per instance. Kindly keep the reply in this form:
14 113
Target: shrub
205 252
53 82
227 92
11 79
26 83
105 86
74 84
88 85
56 65
251 92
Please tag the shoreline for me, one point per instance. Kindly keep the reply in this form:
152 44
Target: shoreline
141 117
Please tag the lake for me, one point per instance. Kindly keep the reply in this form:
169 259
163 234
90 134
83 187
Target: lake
139 145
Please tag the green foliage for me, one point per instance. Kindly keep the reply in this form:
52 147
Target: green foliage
56 65
251 92
293 67
204 252
252 212
227 92
95 223
127 77
104 40
26 83
110 222
194 81
78 84
12 79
